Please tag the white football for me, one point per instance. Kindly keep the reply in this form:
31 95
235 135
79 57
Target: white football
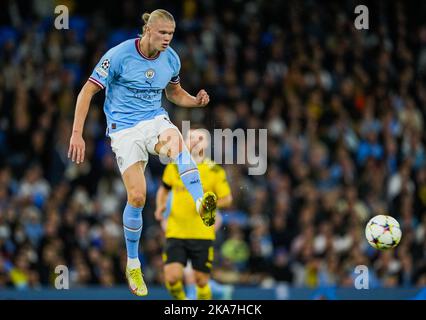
383 232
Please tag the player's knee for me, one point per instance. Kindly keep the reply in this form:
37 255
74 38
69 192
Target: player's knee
136 198
172 143
201 280
175 147
172 278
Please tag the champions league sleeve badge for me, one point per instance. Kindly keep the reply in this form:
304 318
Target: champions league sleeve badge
102 70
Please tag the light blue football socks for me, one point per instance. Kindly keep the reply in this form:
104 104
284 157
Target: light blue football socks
132 224
189 174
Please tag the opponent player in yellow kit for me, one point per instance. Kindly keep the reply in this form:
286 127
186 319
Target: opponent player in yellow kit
187 238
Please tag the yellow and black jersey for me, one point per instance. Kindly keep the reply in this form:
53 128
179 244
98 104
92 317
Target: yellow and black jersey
184 221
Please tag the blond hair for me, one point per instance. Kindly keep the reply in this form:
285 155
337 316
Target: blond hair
154 15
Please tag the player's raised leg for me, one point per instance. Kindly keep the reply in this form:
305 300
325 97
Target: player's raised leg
134 180
171 144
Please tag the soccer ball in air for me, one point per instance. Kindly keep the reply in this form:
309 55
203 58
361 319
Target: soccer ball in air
383 232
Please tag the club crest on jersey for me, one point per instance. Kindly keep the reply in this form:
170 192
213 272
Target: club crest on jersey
150 73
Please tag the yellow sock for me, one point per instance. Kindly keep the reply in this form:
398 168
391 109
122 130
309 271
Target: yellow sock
204 293
176 290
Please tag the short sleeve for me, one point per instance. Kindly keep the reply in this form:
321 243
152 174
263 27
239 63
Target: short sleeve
175 64
104 70
222 188
169 175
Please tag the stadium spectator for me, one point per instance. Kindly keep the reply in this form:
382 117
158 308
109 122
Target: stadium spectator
345 116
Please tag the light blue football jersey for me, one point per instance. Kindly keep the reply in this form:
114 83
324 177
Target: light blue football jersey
134 83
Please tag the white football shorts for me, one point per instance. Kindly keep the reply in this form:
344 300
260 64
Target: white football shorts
133 144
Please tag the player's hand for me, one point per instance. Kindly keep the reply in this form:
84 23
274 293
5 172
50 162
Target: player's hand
159 213
77 148
202 98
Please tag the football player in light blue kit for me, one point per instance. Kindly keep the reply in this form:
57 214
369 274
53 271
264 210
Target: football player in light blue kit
134 75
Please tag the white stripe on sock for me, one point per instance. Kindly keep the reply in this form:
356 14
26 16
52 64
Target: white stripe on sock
132 230
187 172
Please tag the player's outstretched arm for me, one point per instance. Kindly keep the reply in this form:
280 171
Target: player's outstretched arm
224 202
77 145
177 95
161 202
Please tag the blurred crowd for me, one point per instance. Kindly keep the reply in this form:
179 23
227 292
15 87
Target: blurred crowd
344 108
